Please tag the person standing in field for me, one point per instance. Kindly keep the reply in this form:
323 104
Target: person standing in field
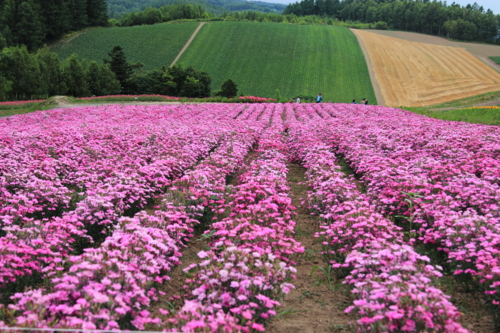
319 98
298 100
354 101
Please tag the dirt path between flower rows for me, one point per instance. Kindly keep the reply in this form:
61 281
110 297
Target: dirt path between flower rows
315 306
187 43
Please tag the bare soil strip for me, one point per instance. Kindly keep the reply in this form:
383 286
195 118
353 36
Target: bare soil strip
376 88
419 74
316 305
187 43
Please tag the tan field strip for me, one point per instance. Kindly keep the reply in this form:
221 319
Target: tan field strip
418 74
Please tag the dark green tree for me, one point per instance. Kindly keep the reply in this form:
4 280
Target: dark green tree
29 27
228 89
119 65
3 42
186 82
80 18
5 88
97 13
21 68
101 80
51 73
75 75
151 82
8 21
57 17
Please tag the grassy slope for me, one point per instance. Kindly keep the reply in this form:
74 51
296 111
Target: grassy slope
477 116
263 57
496 59
10 110
154 45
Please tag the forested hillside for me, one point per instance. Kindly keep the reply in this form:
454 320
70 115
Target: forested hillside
118 8
35 22
471 22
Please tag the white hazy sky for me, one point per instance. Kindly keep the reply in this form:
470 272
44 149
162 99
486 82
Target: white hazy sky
494 5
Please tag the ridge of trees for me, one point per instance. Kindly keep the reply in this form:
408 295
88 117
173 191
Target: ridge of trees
119 8
469 23
163 14
36 22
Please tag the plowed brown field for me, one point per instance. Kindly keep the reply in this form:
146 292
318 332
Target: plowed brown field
418 74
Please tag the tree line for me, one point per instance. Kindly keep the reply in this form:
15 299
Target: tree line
119 8
471 22
36 22
40 74
163 14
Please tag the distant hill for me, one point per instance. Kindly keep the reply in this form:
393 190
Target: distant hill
259 57
117 8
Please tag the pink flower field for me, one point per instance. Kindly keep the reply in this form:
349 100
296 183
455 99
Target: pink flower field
98 205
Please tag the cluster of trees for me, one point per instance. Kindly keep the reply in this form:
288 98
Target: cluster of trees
471 22
229 89
25 75
173 81
241 5
36 22
163 14
41 74
119 8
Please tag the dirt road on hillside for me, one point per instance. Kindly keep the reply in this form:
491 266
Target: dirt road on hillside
187 43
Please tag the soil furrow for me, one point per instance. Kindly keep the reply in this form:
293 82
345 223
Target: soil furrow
318 302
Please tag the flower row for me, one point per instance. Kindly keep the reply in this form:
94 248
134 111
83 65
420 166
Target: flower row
114 285
427 177
239 280
112 185
392 283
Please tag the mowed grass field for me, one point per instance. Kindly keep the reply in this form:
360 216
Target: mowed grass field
153 45
263 57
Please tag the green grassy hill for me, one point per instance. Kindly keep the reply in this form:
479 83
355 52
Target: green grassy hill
259 57
154 45
296 59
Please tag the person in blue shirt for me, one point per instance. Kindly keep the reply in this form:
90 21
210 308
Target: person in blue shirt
354 101
319 98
